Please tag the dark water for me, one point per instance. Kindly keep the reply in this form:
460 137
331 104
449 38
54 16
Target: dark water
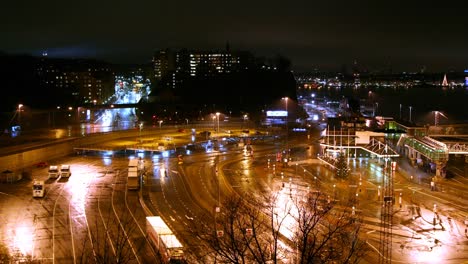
452 102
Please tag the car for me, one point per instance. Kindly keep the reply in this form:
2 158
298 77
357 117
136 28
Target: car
42 164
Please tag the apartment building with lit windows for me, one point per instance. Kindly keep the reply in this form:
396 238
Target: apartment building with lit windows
173 67
77 81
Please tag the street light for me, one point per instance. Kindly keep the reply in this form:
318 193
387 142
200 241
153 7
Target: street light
436 117
19 114
214 124
217 116
141 127
400 111
160 122
287 128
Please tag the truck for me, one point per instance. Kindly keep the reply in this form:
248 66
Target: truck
54 172
38 188
65 171
164 241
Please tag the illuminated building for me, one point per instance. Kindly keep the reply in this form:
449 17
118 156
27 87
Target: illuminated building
75 81
172 67
466 77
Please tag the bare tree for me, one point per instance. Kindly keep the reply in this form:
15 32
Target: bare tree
326 233
254 232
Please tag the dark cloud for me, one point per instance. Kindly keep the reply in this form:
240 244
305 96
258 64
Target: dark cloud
407 34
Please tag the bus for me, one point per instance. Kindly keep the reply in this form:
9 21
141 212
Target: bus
54 172
38 188
133 182
65 171
164 241
134 174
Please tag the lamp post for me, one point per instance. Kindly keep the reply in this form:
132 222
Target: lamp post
287 128
19 114
400 111
217 117
334 191
160 122
141 127
214 124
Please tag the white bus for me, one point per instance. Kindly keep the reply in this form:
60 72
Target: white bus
65 171
133 182
133 179
54 172
38 188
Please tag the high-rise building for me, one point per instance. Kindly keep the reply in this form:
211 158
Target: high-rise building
163 63
69 81
174 66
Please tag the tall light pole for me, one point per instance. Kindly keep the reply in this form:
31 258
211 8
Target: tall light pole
436 117
217 117
141 127
19 114
214 124
400 111
287 128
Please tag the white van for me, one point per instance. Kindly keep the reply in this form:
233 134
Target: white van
54 172
38 188
65 171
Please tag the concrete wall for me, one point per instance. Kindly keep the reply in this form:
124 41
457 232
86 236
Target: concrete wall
18 161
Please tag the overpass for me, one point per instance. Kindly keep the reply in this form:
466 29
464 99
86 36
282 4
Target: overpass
414 142
419 142
106 106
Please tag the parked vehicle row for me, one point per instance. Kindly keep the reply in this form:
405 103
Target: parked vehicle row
63 171
54 172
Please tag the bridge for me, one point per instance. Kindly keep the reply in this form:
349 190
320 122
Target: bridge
412 141
420 142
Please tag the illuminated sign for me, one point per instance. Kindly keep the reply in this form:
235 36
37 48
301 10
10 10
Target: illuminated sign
466 81
277 113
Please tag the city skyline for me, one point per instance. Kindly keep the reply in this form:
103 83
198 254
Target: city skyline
402 36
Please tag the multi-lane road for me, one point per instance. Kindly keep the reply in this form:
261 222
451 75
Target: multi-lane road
91 216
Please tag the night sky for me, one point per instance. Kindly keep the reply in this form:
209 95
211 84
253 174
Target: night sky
405 35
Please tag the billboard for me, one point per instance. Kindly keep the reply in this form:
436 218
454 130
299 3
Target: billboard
277 113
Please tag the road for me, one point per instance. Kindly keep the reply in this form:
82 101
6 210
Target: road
92 215
87 216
